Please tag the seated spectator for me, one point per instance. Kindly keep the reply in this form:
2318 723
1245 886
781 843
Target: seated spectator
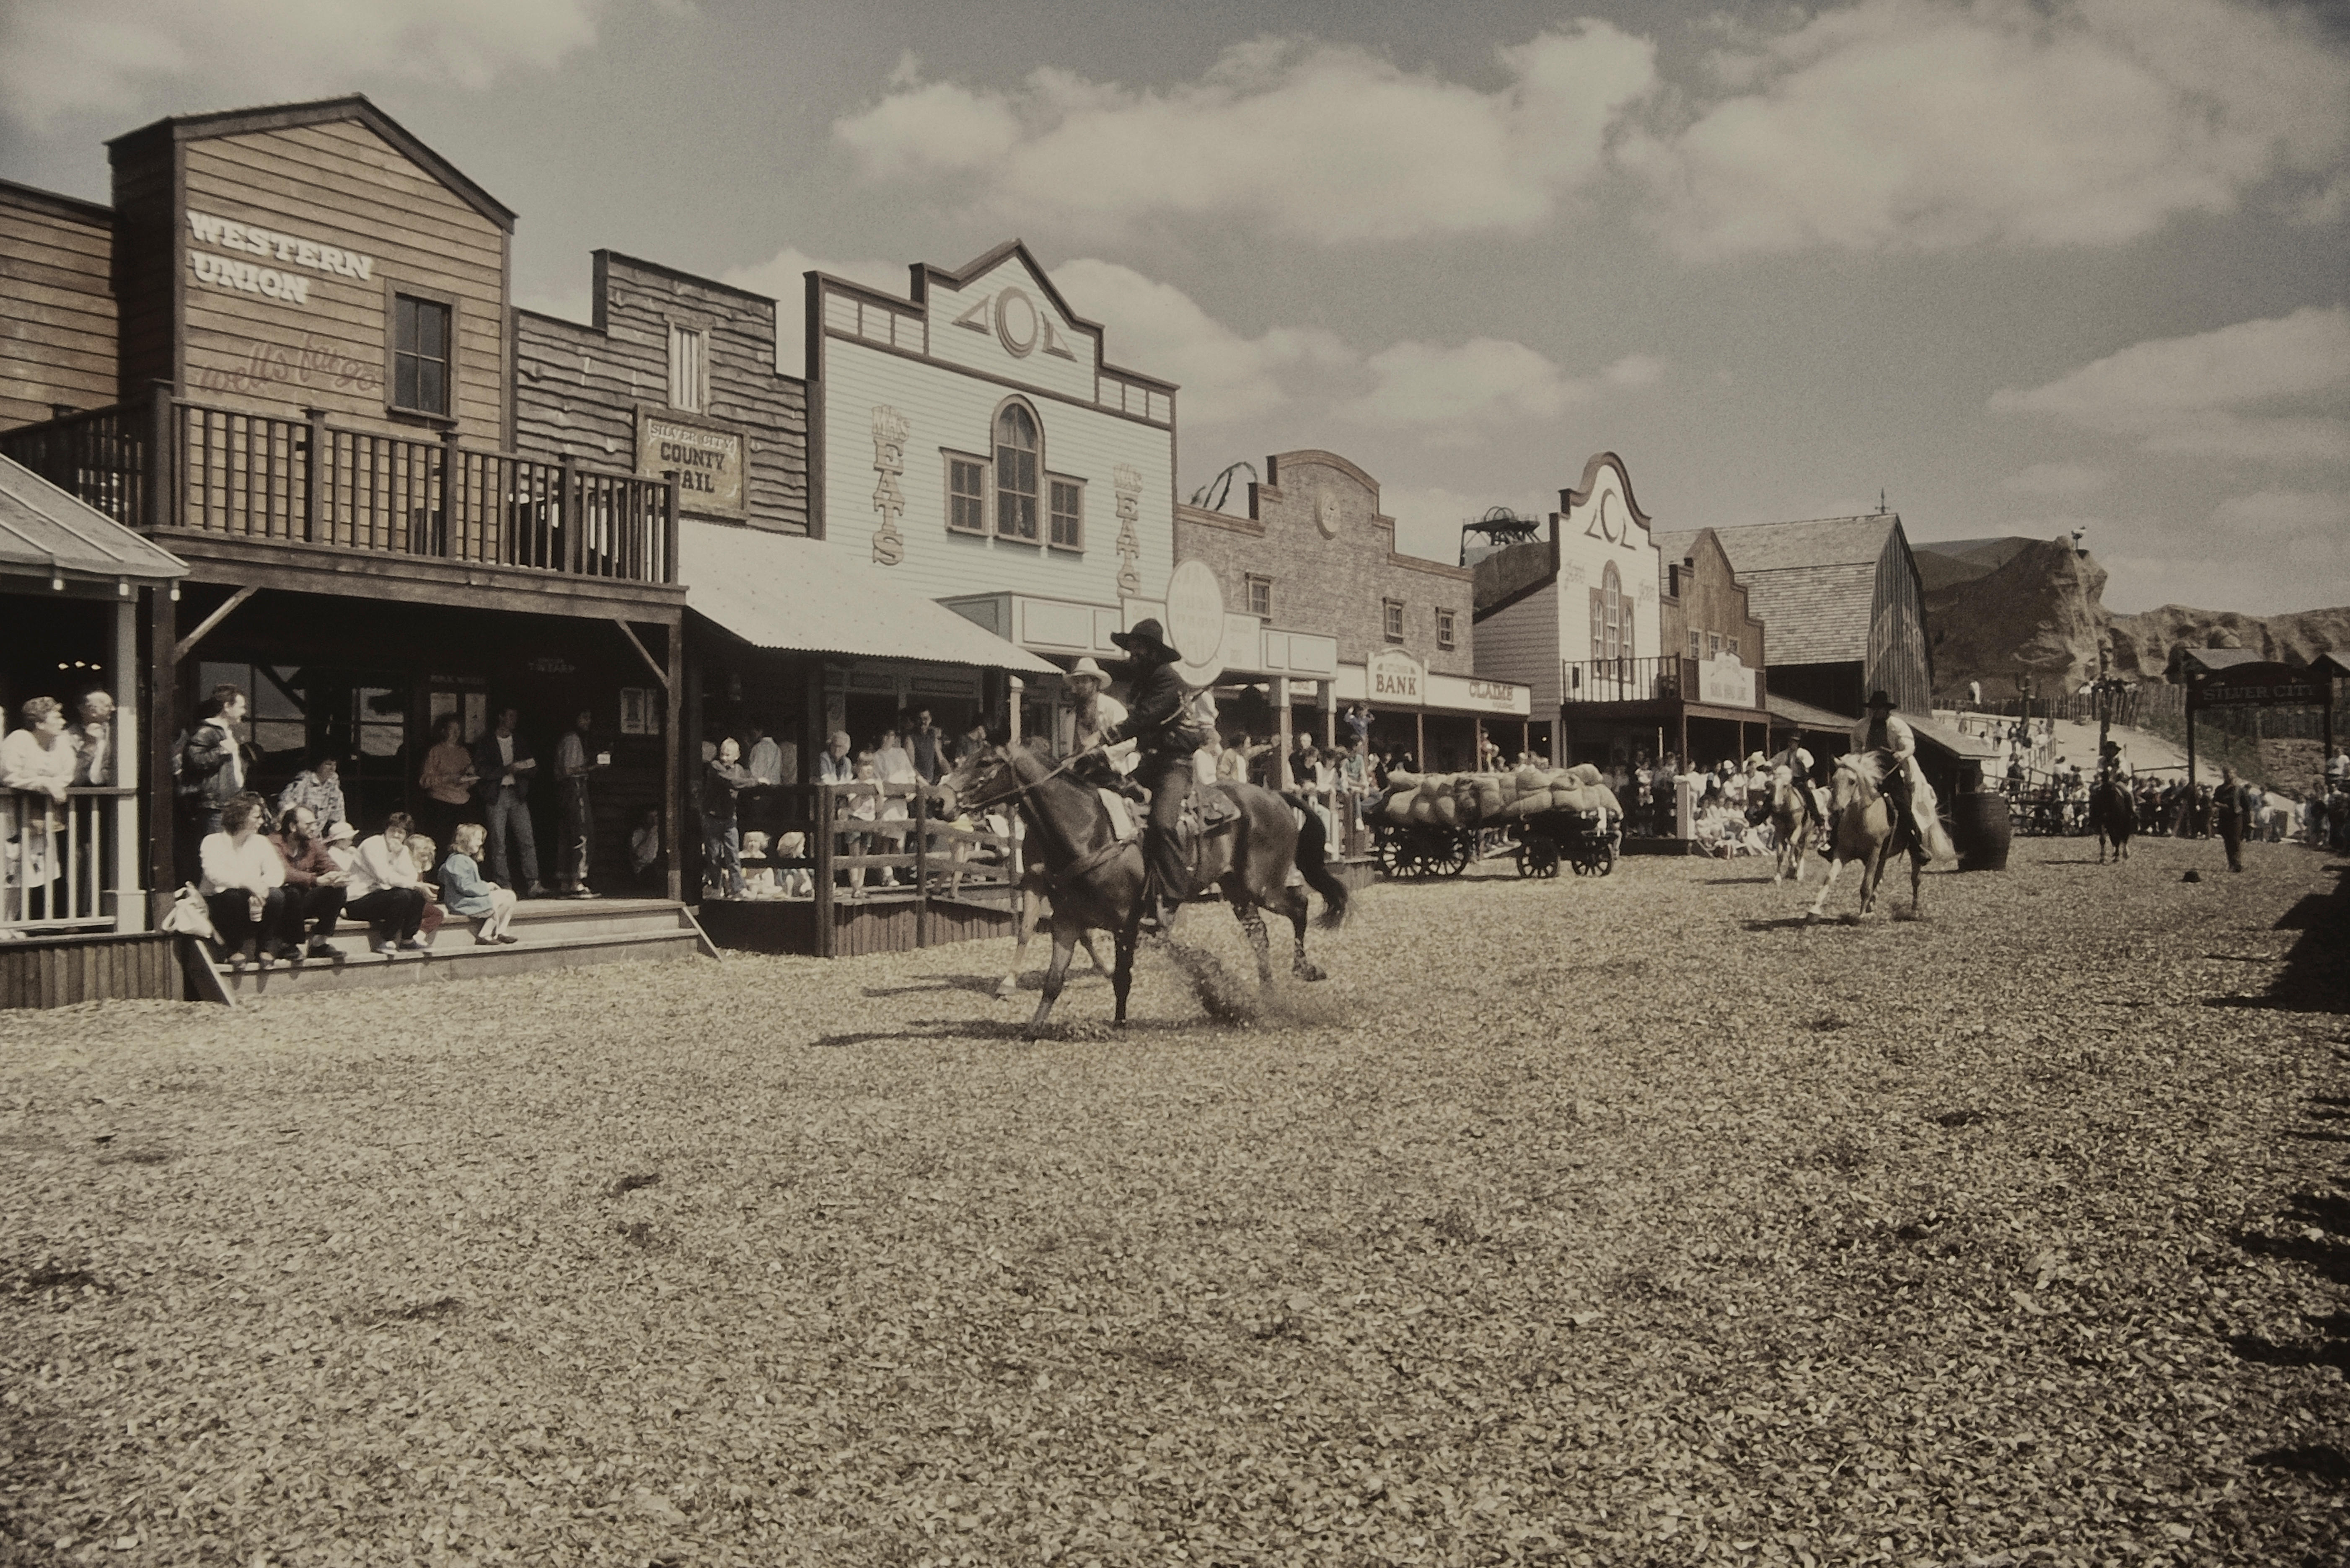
318 786
93 740
315 887
243 882
342 847
489 905
424 853
385 891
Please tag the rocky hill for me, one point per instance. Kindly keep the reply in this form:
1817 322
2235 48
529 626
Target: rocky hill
1997 607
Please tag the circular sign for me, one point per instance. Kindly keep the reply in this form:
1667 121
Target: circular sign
1016 323
1195 612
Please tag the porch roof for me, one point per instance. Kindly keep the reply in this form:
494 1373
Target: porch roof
777 592
46 532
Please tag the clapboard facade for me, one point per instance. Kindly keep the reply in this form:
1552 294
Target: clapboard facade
56 305
676 371
1846 612
273 259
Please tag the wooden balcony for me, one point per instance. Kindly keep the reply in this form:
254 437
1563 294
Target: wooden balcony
1641 680
183 471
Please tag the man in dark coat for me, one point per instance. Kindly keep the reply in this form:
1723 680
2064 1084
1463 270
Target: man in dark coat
2232 814
1159 720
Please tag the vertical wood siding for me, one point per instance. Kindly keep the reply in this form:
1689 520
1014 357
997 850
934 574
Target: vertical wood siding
1898 658
57 972
1520 642
579 388
57 307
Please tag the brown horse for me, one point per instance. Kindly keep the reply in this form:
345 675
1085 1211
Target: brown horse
2112 817
1795 824
1098 880
1863 820
1035 915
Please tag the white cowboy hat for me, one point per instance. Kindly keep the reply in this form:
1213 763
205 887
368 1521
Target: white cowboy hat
1086 666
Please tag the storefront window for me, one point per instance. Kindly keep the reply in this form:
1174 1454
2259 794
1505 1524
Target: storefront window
686 359
1609 638
419 359
1015 473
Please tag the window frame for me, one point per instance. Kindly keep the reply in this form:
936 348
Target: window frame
1391 621
949 459
1249 584
394 291
1038 498
1447 630
677 331
1075 545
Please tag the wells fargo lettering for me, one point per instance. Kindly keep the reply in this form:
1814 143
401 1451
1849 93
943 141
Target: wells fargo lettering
307 363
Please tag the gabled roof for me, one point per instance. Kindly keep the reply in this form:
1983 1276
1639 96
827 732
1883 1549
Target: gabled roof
327 111
963 276
1813 583
46 532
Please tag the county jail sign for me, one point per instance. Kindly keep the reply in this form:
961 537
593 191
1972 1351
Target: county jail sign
707 458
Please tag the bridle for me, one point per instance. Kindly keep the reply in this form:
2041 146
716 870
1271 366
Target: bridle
1021 788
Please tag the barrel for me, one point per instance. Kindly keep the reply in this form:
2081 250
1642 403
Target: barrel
1980 827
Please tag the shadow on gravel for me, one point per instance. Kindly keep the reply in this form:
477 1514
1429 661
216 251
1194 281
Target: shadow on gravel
2319 1462
983 984
2314 977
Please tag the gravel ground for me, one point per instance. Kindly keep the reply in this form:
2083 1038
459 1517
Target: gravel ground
1602 1222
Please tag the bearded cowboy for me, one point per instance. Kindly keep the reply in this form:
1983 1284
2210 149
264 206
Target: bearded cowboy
1161 722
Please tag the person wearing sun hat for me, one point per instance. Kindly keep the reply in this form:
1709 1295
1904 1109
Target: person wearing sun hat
1158 722
1097 710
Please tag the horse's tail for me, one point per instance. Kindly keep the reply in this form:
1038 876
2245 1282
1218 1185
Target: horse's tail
1313 843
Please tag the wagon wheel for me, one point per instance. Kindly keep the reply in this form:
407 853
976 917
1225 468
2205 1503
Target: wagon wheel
1449 855
1603 862
1538 857
1394 858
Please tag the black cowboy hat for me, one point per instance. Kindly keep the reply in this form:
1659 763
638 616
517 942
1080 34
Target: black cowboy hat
1147 639
1877 699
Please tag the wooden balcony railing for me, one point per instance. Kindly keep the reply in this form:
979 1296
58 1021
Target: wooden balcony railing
1623 680
303 480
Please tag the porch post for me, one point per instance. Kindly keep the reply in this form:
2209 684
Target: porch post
128 912
1420 733
1283 730
922 864
1330 714
673 782
163 702
820 829
1013 689
686 738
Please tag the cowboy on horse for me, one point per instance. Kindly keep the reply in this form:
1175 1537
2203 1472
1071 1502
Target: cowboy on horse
1159 718
1887 737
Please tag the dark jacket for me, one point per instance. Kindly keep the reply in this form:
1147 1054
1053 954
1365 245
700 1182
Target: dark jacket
303 870
491 767
929 754
1158 713
204 759
720 783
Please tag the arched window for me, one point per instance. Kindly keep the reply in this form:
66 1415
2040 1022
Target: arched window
1017 444
1610 631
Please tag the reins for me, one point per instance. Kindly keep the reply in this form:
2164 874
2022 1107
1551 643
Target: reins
1021 788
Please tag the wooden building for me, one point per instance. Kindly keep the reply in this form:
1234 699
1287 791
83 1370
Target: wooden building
313 407
1846 613
1330 614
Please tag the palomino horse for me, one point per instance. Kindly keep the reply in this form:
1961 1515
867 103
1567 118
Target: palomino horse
1794 826
2112 817
1098 880
1861 817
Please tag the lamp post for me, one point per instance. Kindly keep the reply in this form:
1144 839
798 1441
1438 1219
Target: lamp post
2107 688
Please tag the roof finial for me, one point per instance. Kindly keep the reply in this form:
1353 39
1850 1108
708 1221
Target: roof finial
1880 502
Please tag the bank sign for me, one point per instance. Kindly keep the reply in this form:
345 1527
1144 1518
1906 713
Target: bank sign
708 460
1399 679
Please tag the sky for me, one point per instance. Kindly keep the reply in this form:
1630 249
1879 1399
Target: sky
2014 268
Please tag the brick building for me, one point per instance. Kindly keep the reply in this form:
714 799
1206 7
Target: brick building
1337 616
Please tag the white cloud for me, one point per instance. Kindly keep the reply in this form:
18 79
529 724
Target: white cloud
1326 141
1486 381
103 56
2307 525
2204 395
1635 371
783 277
1927 124
1156 328
2058 479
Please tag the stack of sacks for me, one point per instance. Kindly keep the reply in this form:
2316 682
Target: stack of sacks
1455 800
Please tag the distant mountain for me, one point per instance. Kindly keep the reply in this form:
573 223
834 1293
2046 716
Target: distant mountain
1996 608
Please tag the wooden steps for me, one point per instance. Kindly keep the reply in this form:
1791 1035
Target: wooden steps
556 933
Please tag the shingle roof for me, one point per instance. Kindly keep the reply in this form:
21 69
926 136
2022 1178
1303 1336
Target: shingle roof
48 533
1812 584
1672 549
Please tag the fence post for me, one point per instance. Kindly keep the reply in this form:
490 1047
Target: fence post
315 465
921 864
820 830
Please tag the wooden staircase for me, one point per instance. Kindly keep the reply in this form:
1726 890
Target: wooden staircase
556 933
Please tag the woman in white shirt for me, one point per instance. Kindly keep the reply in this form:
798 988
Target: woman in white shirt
386 890
244 883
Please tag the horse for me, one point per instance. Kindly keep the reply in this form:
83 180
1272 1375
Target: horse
1863 819
1036 913
1795 824
1098 880
2112 817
